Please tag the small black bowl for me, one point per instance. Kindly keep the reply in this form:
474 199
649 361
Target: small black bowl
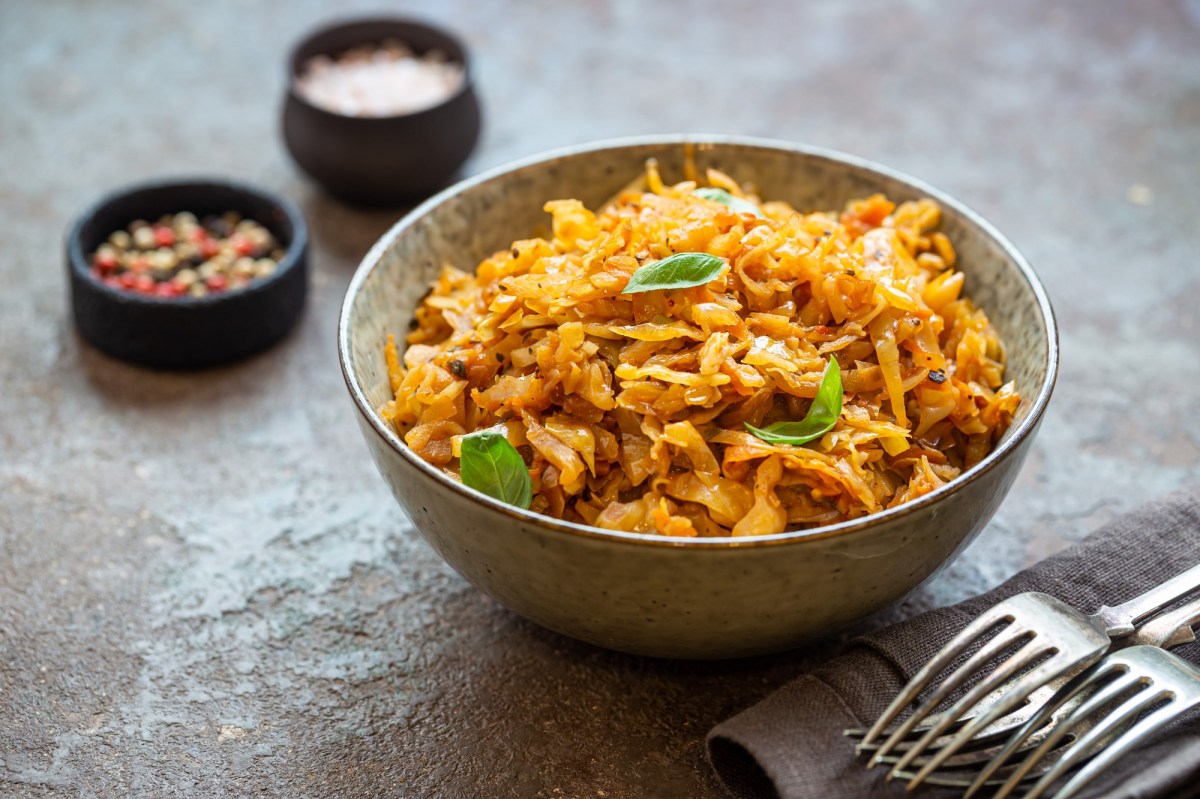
188 332
381 161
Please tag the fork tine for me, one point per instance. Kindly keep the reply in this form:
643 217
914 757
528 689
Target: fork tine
959 778
978 754
990 742
943 658
999 730
1013 698
1013 664
1127 710
1131 738
1083 682
1005 638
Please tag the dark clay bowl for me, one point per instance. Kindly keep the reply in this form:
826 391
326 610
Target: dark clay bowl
188 332
381 161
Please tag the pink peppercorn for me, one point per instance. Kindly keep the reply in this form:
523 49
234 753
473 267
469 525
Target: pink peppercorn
167 258
105 261
242 244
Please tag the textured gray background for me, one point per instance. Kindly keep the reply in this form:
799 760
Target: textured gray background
205 589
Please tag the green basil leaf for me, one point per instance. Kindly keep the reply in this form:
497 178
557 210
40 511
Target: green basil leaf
821 417
725 198
490 464
680 271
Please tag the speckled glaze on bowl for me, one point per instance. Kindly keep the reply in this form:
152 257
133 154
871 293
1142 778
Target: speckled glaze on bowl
650 594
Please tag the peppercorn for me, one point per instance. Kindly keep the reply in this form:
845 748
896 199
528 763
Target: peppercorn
180 255
143 238
164 236
106 259
244 267
219 227
242 244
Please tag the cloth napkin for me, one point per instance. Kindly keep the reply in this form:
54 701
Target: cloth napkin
791 745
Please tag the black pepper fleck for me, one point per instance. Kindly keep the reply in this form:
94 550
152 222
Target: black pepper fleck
937 377
459 368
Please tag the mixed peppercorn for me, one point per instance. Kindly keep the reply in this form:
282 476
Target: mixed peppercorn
180 255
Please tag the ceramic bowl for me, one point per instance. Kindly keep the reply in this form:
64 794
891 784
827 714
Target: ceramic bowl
650 594
188 332
381 160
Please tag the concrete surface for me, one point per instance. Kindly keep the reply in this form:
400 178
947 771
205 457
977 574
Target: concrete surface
205 589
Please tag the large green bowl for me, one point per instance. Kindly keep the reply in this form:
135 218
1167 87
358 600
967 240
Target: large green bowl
650 594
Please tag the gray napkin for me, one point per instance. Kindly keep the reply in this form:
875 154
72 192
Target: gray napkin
791 745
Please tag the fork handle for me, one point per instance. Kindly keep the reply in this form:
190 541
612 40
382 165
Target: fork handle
1120 620
1169 630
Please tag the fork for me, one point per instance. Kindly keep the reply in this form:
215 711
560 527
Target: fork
1149 679
1065 712
1051 639
1166 631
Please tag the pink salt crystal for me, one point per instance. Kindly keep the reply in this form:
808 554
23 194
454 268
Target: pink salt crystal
379 81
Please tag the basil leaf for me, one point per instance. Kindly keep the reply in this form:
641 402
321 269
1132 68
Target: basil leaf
680 271
725 198
488 463
821 417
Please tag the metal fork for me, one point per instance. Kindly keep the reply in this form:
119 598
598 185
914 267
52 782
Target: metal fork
989 765
1143 678
1051 640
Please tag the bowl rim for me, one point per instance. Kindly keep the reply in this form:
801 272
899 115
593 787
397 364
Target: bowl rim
1018 434
293 56
293 253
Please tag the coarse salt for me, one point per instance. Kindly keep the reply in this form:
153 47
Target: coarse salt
379 81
